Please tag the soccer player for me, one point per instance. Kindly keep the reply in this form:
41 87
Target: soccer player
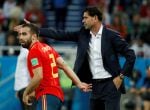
43 63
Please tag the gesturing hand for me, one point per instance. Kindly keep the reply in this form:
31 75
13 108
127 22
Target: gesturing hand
117 82
85 87
17 28
28 98
26 21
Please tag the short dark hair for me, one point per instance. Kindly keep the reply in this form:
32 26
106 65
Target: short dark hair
34 29
94 11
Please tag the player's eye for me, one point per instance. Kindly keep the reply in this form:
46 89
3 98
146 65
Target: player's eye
24 33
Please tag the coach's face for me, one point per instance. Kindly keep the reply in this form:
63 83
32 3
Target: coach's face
25 37
88 21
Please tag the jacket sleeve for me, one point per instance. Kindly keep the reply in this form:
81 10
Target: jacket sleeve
122 47
58 34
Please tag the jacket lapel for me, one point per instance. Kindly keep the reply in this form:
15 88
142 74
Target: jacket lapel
85 42
103 43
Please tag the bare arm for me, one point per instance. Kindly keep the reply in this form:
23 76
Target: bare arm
70 73
52 33
35 81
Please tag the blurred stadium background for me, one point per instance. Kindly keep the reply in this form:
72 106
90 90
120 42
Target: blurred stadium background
130 17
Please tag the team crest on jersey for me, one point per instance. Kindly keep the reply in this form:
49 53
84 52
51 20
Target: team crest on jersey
34 61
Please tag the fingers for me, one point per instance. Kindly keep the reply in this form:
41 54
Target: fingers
86 87
17 28
32 94
90 85
86 90
27 100
26 21
28 103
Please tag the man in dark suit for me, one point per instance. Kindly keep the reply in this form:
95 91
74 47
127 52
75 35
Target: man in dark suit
98 49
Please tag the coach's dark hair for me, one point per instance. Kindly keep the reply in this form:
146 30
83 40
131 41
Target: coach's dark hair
33 28
94 11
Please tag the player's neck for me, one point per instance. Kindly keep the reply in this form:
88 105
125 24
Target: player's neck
33 42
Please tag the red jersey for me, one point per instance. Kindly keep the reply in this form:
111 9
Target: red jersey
42 55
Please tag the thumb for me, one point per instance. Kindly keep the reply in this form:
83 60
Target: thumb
26 21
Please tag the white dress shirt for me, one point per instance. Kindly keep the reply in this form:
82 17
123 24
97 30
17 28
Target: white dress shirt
22 77
95 56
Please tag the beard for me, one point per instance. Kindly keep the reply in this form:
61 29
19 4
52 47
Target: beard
87 26
26 44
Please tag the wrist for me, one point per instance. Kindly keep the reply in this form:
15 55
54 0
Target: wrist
77 83
121 76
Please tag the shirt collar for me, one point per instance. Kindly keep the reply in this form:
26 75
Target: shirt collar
99 32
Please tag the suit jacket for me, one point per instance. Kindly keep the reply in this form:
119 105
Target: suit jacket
111 47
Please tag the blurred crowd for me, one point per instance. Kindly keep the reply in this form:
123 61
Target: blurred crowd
12 13
129 17
138 96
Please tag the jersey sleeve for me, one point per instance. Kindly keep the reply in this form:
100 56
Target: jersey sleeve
55 53
35 59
